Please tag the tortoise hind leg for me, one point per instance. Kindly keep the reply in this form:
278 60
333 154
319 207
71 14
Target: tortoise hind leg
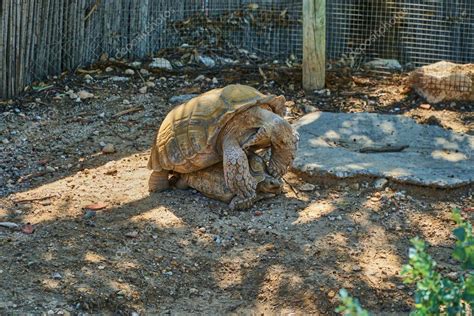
158 181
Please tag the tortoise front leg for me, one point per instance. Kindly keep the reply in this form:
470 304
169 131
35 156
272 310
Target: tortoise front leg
237 173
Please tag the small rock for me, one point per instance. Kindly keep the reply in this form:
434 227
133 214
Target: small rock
150 84
215 81
108 149
119 79
388 64
144 72
355 186
132 234
339 217
193 291
9 225
202 229
104 57
182 98
5 141
425 106
208 61
129 72
135 64
325 92
143 90
161 63
57 276
200 78
307 187
126 102
331 294
50 169
72 95
84 95
309 108
109 69
88 77
356 268
380 183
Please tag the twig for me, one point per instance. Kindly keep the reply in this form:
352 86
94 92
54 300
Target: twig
94 7
35 199
291 187
128 111
383 149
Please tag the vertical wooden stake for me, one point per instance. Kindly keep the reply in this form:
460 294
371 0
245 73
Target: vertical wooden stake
314 44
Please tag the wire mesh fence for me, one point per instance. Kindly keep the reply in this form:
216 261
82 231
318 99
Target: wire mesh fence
44 37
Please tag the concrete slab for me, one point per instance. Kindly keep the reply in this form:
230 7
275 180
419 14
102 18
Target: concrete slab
375 145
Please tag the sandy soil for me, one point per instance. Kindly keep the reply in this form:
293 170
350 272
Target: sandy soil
178 252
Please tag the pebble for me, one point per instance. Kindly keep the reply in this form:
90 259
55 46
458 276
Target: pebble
161 63
144 72
143 90
108 149
119 79
130 72
109 69
215 81
356 268
88 77
57 276
309 108
208 61
182 98
331 294
202 229
150 84
380 183
425 106
5 141
50 169
72 95
135 64
132 234
307 187
125 102
84 95
200 78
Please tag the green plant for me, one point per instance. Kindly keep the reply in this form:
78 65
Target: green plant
350 306
435 294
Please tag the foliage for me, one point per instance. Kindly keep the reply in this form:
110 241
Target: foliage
350 306
435 294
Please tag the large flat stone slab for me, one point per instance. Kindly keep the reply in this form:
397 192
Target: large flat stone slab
375 145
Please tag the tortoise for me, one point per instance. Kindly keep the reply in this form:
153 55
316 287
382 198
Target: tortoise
223 125
211 182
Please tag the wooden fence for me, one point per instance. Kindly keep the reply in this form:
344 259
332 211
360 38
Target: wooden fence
39 38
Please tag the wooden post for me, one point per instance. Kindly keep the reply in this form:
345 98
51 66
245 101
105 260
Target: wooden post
314 44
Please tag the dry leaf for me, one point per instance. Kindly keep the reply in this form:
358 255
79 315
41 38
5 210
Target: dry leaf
96 206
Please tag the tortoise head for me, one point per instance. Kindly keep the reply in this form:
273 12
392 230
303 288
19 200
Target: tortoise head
265 182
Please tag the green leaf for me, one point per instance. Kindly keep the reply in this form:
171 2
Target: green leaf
460 233
469 289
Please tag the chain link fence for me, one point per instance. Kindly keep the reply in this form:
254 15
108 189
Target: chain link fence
44 37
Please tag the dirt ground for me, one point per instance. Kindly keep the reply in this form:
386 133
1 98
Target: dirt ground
178 252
